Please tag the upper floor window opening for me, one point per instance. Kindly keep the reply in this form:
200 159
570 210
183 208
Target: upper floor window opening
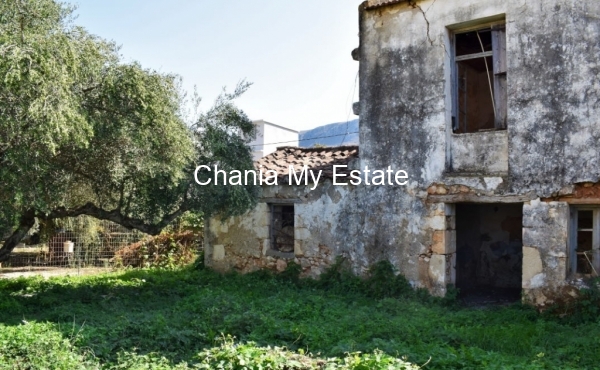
479 79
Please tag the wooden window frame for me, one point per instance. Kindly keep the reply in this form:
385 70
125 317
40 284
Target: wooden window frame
498 72
573 235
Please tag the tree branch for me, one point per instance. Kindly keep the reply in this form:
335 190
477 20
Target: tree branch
115 216
28 220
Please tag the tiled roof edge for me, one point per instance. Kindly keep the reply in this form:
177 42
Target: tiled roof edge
320 149
378 4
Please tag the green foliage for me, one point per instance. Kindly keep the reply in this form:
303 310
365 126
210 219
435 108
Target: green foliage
86 228
84 133
383 282
339 278
249 356
199 261
291 273
587 306
38 346
163 319
191 221
451 297
581 310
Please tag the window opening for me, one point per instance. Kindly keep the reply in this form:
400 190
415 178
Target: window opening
585 251
282 228
480 80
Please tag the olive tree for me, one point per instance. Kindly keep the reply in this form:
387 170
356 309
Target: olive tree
83 133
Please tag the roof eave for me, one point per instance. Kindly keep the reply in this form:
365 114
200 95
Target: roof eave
374 4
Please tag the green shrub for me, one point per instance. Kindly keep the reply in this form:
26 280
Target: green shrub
583 309
339 278
38 346
383 282
291 273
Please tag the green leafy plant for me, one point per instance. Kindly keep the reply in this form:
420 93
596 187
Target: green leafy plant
165 318
383 281
248 356
39 346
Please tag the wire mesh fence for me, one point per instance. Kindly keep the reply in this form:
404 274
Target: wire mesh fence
84 244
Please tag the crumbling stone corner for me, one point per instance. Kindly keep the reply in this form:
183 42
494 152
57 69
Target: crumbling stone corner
545 250
441 254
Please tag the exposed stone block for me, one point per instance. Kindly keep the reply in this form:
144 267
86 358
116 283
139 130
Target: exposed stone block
444 242
298 248
437 222
437 270
555 269
480 153
281 265
299 221
538 214
551 242
532 268
218 252
253 249
215 227
440 190
223 227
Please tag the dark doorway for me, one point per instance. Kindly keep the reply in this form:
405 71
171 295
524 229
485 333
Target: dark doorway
489 252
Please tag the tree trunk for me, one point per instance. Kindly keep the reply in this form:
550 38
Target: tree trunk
27 221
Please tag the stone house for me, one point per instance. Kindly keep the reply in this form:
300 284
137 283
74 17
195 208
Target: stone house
492 108
291 222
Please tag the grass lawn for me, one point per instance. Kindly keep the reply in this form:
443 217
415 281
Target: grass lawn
162 318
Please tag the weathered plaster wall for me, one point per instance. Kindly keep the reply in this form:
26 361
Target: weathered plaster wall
481 152
405 117
554 94
552 140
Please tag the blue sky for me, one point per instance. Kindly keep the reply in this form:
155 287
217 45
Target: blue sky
296 53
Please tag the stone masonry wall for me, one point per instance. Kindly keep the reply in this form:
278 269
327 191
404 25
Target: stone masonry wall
545 252
243 243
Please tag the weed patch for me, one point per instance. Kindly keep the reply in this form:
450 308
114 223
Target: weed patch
178 318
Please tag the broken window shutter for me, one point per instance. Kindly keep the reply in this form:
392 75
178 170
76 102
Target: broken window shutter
500 88
572 255
596 241
454 79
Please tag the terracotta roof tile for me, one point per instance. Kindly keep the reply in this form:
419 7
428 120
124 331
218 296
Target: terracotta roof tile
314 158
